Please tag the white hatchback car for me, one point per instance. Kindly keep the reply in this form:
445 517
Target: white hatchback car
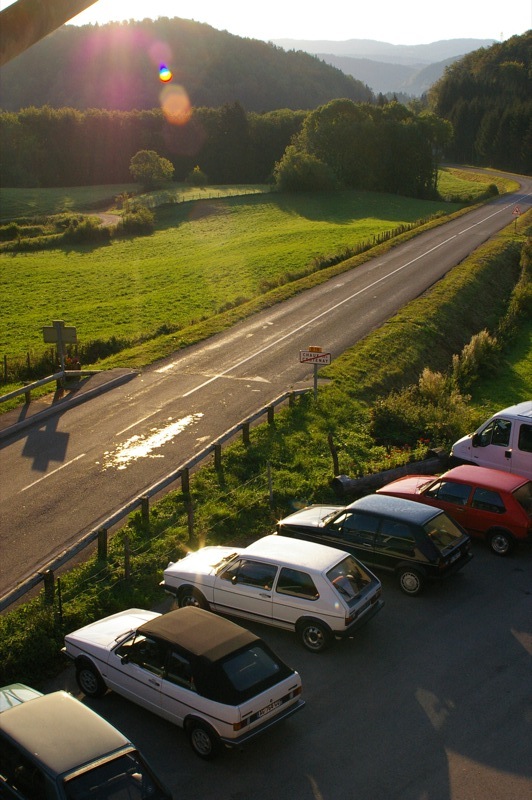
316 590
213 678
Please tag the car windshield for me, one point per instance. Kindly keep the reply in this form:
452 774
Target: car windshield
523 495
443 532
328 517
122 778
349 578
219 565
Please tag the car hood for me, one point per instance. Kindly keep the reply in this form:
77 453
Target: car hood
310 517
201 562
104 633
409 485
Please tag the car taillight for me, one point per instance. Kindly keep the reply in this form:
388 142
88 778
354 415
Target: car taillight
349 620
237 726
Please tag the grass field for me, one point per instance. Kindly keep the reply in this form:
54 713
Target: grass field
206 255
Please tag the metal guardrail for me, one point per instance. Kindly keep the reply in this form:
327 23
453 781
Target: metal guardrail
64 557
57 376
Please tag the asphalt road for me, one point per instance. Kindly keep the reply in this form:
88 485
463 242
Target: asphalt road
430 701
63 477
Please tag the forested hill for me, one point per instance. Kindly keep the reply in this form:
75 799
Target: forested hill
487 96
116 67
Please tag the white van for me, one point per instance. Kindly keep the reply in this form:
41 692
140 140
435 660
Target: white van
504 442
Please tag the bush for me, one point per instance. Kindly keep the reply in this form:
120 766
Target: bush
88 230
196 177
433 410
478 358
140 222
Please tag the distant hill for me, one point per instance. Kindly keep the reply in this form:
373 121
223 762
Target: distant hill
116 67
388 68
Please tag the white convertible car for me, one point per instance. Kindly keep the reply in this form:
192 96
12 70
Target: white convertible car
219 682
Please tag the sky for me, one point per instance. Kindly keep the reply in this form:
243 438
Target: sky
406 22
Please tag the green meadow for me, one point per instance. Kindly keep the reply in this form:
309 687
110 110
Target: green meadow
208 254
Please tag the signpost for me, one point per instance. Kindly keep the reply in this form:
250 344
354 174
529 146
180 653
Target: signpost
516 213
59 334
315 355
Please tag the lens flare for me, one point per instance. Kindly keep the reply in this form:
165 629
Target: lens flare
165 75
175 104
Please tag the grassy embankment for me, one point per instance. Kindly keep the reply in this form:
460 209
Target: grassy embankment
208 264
232 505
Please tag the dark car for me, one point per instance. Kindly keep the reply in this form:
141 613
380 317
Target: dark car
52 747
488 503
412 540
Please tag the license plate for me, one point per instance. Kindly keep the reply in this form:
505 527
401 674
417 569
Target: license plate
269 708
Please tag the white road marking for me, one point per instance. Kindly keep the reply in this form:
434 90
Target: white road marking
49 474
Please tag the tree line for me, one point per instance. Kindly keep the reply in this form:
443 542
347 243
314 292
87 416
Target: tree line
343 143
46 147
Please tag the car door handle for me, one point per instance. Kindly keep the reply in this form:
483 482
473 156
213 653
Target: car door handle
262 594
153 682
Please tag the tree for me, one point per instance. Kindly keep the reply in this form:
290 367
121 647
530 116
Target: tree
150 169
299 171
196 177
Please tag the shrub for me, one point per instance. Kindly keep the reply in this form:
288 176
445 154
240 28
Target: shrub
87 230
139 222
478 358
196 177
432 410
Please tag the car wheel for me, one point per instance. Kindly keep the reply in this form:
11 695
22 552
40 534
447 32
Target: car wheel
203 740
500 542
191 597
410 581
314 635
89 680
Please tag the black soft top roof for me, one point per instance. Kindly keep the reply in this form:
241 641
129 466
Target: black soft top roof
200 632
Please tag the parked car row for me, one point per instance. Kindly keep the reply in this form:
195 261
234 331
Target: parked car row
219 682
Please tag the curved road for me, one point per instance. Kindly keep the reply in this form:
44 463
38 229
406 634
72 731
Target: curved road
63 477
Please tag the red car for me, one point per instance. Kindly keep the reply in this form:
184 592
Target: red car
488 503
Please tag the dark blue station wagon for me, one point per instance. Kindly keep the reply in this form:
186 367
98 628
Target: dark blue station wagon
415 542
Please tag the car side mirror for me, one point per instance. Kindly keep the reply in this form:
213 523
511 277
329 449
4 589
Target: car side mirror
125 659
475 440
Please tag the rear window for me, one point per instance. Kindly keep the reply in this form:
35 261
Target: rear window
443 532
251 671
349 578
123 777
523 495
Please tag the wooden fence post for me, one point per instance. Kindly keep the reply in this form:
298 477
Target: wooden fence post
217 456
190 520
49 588
127 553
145 510
102 544
245 432
185 481
270 415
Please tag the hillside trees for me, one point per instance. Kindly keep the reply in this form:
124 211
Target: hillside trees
45 147
380 148
487 96
113 67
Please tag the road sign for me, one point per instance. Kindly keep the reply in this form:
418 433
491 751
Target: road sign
59 332
517 210
310 357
